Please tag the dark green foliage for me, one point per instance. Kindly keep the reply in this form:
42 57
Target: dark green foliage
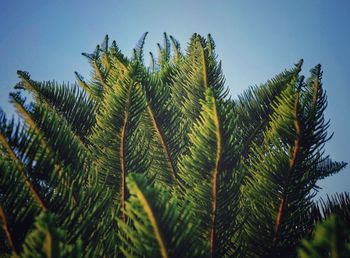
331 239
70 102
46 240
155 227
208 179
158 162
255 109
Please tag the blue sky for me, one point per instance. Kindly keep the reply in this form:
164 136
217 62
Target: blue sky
255 40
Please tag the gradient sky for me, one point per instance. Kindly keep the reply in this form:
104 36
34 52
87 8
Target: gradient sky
255 40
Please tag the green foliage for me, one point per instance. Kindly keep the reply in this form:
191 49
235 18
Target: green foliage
157 161
331 239
209 184
46 240
154 226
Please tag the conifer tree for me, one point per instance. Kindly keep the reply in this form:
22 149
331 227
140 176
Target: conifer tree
159 161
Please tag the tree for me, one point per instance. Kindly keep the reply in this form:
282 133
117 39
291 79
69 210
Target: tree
158 161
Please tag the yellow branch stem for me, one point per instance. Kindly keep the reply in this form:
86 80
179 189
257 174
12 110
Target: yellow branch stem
153 222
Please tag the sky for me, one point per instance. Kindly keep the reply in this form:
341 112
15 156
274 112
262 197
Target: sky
255 40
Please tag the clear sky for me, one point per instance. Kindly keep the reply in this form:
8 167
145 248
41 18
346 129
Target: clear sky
255 40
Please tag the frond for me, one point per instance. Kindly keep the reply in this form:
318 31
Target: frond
255 107
208 178
114 137
155 227
105 53
276 179
197 71
69 150
313 105
116 53
98 73
176 49
327 167
18 206
23 192
48 240
283 171
164 51
331 238
35 179
104 60
68 101
138 50
151 69
338 204
162 121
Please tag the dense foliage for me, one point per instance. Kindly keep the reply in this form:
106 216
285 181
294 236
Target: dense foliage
158 161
